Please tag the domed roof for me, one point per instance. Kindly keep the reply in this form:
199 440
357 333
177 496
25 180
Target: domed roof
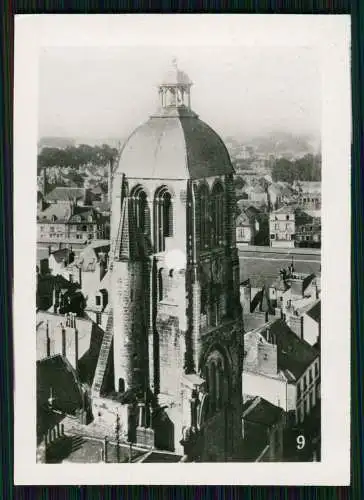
174 147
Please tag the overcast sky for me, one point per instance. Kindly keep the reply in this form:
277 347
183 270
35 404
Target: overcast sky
242 92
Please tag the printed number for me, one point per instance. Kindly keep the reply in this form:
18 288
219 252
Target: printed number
300 442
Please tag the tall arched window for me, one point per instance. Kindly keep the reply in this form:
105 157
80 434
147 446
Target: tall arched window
204 217
140 209
163 217
217 215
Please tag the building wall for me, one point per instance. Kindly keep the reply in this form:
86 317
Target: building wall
282 229
308 391
272 389
311 330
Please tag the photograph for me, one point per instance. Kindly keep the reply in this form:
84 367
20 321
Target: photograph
180 211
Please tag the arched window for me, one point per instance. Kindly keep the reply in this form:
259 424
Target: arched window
204 218
217 215
140 209
163 218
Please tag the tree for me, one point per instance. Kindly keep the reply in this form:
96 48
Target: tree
307 168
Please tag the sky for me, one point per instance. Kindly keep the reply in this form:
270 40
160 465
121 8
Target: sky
94 92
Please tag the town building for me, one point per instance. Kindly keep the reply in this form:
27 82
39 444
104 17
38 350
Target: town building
309 194
256 193
263 426
174 286
281 368
65 223
308 228
282 227
247 227
291 226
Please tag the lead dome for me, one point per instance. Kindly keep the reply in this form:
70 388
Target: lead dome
174 143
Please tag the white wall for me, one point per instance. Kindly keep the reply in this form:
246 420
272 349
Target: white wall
276 391
310 330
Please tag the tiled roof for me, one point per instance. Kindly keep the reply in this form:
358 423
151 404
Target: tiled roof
84 328
57 210
295 355
66 194
261 411
315 312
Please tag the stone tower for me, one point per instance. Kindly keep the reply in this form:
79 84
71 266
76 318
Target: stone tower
175 278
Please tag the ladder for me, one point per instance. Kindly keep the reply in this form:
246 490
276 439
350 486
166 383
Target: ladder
103 357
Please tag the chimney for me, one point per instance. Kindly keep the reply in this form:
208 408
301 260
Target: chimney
296 325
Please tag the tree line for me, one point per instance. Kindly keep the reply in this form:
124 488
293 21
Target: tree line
307 168
76 157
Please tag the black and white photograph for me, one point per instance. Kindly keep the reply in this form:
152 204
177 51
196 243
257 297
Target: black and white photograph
179 272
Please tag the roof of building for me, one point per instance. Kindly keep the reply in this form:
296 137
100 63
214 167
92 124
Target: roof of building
66 194
82 214
187 143
61 254
295 355
260 411
57 211
286 209
84 327
315 312
242 219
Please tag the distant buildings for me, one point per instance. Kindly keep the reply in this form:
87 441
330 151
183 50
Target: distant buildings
309 194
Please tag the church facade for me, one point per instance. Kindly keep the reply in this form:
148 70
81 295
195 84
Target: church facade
175 308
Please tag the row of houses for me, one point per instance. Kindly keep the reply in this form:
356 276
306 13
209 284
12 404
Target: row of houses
72 216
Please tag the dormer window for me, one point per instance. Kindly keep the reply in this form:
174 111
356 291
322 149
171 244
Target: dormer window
54 218
90 218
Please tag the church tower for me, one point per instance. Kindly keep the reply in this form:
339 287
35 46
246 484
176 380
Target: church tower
175 278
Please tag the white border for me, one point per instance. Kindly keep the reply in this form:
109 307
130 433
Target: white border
330 35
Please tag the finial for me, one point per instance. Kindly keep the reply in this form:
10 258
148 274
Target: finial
174 62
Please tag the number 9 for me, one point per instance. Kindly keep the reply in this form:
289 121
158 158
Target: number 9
300 442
